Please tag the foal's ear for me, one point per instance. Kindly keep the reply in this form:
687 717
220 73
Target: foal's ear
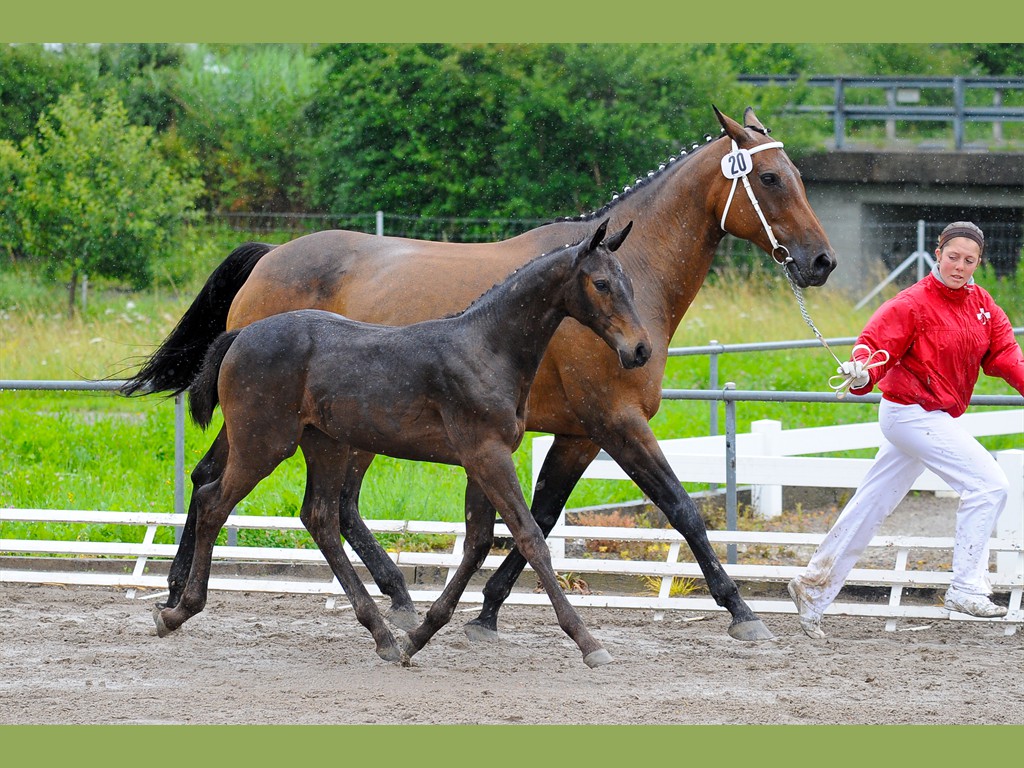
613 242
598 235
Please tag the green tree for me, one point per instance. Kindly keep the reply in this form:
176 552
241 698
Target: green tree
510 130
33 77
996 58
91 195
241 115
144 75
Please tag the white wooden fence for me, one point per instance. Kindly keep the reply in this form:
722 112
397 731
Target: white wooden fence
767 458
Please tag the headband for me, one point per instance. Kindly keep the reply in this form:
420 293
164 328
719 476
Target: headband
962 229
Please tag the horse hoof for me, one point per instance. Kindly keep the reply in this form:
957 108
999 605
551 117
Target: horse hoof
162 630
750 631
393 653
405 619
407 648
597 658
478 633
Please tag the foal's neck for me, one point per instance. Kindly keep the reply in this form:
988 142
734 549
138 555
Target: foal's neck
518 317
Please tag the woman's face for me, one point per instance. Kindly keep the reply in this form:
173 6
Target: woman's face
957 261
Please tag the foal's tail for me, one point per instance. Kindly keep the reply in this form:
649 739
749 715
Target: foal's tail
176 362
202 392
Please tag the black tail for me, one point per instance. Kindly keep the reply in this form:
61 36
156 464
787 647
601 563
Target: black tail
173 366
202 392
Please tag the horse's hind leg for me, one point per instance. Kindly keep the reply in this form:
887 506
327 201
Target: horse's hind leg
562 469
382 568
479 537
206 471
325 486
213 504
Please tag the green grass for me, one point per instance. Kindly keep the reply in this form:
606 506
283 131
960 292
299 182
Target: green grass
85 450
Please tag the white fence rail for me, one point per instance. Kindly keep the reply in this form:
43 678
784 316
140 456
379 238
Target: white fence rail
767 458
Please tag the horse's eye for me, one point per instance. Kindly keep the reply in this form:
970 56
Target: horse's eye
602 286
769 179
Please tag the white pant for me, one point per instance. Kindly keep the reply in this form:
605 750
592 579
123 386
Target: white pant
915 439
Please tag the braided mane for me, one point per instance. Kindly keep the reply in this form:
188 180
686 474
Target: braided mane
644 181
652 176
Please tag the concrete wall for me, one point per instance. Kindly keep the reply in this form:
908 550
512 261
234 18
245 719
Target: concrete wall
867 200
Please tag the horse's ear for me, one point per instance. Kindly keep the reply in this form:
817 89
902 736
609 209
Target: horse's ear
734 130
750 121
598 235
613 242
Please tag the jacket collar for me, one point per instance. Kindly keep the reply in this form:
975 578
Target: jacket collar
952 294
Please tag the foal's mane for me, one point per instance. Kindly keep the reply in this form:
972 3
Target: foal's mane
531 263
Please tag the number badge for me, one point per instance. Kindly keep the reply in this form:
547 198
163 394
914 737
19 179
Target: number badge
736 164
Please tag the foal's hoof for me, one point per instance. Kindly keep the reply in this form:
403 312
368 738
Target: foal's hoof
597 658
406 619
394 653
162 630
751 631
478 633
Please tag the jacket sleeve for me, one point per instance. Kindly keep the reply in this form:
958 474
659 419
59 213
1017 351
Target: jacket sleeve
891 328
1004 358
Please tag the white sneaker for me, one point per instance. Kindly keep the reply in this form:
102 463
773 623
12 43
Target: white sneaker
810 619
972 604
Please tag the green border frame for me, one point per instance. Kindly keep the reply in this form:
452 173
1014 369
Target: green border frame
521 21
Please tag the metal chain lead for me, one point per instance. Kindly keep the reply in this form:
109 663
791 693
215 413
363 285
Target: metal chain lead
803 311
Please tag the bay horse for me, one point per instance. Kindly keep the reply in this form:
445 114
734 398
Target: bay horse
452 390
580 394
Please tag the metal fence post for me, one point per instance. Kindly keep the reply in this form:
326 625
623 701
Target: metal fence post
839 117
380 223
713 384
958 109
730 470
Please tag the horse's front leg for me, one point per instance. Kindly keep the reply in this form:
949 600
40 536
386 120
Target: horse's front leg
495 473
382 568
206 471
479 539
564 465
637 451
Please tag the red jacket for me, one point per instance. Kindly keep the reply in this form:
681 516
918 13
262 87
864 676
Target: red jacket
939 339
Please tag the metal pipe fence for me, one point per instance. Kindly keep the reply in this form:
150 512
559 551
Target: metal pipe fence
714 394
933 99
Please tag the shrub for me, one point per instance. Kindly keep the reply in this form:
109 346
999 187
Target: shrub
91 195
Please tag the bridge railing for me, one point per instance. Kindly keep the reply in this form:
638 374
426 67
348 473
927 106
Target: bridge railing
903 101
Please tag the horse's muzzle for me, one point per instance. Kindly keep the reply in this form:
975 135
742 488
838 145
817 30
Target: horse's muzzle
815 271
638 357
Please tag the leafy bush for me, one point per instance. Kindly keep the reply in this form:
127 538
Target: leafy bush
91 195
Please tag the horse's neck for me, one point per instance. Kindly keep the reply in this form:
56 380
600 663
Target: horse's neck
671 248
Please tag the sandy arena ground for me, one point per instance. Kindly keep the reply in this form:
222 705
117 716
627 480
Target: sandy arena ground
90 656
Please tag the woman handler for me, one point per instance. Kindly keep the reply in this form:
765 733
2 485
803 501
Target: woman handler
938 333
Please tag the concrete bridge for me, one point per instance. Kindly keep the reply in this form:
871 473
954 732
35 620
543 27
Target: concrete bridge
870 202
870 199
